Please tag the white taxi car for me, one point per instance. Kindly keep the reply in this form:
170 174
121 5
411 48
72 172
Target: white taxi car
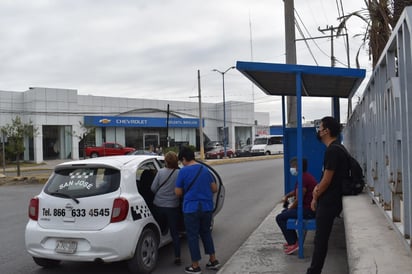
98 210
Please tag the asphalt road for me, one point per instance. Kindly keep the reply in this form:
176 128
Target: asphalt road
252 190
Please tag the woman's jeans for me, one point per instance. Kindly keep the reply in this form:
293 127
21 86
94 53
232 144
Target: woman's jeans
168 217
198 224
282 219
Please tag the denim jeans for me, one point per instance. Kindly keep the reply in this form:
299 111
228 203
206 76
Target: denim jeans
168 217
198 224
282 219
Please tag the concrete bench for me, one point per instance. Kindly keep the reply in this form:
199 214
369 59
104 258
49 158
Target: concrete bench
308 224
372 243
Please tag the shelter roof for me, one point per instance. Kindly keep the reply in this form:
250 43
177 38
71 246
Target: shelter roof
317 81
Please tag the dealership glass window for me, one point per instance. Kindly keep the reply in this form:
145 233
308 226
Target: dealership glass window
57 142
135 137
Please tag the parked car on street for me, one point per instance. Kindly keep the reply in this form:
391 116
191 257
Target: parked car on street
107 149
219 153
212 145
99 210
244 151
267 145
141 152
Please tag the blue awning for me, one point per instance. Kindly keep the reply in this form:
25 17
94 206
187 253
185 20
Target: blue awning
280 79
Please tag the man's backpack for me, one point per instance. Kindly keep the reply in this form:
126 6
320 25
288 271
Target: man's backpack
354 183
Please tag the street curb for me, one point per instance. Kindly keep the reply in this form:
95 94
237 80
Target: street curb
241 159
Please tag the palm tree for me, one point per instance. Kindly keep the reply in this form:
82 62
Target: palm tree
397 7
380 17
377 17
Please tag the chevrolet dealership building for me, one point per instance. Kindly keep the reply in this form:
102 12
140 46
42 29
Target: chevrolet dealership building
66 121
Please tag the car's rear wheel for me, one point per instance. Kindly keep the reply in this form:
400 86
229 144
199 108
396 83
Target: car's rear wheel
46 263
94 155
146 253
218 156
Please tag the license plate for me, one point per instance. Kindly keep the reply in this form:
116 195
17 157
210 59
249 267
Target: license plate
66 246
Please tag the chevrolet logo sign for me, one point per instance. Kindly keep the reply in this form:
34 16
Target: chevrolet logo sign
104 121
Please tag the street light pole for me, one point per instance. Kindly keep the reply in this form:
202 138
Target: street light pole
3 143
224 109
202 145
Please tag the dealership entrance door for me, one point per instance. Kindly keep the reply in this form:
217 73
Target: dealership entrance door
151 141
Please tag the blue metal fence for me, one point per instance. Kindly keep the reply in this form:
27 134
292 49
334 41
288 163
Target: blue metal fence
379 131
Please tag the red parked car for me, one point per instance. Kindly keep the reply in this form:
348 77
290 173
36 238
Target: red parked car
219 153
108 149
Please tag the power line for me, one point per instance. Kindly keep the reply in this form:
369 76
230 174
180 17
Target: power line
303 36
346 43
310 36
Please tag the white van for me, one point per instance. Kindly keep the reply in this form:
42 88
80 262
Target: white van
267 145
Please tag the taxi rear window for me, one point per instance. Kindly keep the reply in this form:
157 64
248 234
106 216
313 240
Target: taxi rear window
84 182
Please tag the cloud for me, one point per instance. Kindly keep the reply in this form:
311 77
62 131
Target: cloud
150 49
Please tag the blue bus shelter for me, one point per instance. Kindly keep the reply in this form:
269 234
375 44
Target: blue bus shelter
301 80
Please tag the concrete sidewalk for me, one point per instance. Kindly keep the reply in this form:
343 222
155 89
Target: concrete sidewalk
263 251
363 242
374 243
32 172
46 165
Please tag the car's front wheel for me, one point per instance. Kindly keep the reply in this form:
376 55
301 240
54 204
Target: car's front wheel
46 263
146 253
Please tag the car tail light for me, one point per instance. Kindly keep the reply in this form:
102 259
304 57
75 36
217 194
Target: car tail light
34 209
120 210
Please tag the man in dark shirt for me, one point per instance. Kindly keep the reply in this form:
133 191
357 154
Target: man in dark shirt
327 195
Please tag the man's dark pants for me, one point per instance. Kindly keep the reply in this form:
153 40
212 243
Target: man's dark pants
324 224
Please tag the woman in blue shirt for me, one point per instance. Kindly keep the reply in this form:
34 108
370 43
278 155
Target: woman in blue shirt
196 185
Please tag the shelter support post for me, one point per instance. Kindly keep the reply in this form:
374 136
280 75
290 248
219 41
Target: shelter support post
300 161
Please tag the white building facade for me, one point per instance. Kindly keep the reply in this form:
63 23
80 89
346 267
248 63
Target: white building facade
63 119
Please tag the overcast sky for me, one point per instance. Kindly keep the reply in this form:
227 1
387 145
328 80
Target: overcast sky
153 48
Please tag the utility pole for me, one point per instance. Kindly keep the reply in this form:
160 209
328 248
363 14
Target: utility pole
202 148
290 56
334 100
3 144
332 54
